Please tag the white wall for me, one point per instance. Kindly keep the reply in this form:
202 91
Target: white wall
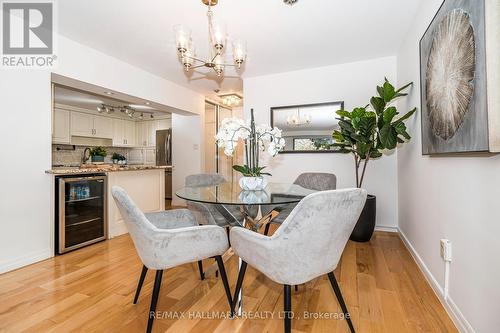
25 192
454 197
353 83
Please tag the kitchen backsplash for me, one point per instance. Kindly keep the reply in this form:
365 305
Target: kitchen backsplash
65 155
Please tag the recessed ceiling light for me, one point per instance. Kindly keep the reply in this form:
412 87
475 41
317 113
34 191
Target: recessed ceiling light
108 93
147 103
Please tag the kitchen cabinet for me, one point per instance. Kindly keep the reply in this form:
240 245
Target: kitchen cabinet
150 156
123 133
145 187
84 124
103 127
129 133
60 127
146 131
164 124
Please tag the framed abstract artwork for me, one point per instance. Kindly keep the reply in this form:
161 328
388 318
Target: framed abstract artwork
458 66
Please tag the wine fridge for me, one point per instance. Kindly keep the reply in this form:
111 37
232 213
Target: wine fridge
80 212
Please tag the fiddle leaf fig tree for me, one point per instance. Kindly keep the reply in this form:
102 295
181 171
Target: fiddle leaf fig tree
367 131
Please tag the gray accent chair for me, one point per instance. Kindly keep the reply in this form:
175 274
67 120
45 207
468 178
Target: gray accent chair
317 181
207 213
168 239
308 244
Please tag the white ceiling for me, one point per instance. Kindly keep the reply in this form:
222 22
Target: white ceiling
88 101
280 38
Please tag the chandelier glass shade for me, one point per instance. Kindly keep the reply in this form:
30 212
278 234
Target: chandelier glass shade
297 119
217 40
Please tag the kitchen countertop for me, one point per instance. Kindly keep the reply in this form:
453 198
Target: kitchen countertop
102 169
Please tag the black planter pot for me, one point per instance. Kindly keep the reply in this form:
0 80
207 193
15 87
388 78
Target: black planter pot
365 226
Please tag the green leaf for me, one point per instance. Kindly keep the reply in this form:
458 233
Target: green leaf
344 113
380 91
375 154
404 87
400 128
389 91
406 116
389 114
378 104
388 137
241 168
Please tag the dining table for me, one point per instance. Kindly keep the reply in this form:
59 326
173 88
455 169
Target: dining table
256 206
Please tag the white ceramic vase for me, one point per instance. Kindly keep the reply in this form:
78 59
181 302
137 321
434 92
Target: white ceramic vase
253 183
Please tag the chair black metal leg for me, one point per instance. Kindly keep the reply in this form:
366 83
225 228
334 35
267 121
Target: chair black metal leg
154 300
239 282
296 288
266 230
200 268
336 289
223 276
228 230
141 281
288 308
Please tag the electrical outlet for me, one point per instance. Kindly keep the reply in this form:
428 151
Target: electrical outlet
446 249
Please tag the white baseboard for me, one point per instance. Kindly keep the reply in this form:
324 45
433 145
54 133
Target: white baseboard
451 308
117 229
386 228
25 260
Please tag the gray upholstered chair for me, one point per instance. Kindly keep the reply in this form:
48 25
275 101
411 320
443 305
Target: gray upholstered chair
208 213
308 244
317 181
167 239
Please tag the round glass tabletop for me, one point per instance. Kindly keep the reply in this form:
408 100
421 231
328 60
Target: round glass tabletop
231 194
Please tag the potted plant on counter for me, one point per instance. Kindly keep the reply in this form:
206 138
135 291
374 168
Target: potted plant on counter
256 139
97 154
366 132
118 159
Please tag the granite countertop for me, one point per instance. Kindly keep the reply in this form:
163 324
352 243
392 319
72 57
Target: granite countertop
101 168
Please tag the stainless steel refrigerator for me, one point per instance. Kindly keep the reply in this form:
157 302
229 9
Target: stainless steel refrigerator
164 157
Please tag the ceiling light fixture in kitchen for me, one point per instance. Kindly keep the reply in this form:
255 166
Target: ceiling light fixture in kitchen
216 45
232 99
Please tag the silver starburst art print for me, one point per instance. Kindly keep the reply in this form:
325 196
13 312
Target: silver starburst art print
453 80
450 71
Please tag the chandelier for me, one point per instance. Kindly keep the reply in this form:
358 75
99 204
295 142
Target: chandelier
297 119
232 99
216 43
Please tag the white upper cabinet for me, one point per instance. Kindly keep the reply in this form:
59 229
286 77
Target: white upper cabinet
118 132
124 133
164 124
103 127
84 124
146 133
60 127
129 133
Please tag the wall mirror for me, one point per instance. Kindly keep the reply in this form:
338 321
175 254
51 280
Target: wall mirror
307 128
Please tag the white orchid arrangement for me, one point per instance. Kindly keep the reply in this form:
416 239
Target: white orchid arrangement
256 139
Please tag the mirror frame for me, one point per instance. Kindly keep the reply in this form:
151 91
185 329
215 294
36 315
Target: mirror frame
301 106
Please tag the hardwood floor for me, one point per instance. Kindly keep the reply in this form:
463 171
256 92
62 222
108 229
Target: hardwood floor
91 290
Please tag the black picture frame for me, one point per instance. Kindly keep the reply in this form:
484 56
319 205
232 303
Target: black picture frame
272 109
